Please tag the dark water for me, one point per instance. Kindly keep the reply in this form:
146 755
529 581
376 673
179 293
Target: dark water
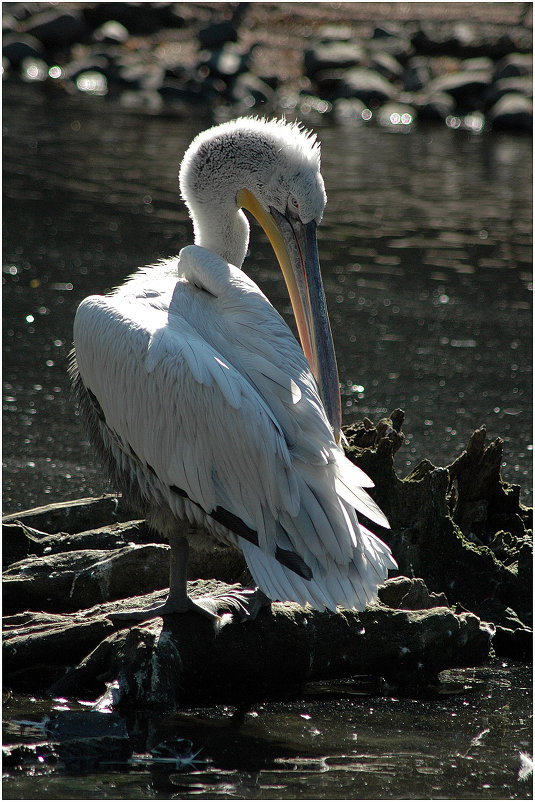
425 248
466 744
426 256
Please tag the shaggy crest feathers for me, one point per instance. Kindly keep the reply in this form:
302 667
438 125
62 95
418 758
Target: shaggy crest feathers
278 162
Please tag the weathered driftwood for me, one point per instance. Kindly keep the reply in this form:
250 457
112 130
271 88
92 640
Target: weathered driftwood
181 659
460 528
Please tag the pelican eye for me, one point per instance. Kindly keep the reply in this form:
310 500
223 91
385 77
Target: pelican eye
292 207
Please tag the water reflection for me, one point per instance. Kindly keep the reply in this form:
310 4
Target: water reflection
464 744
425 249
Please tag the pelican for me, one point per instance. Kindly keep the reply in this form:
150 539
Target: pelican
202 404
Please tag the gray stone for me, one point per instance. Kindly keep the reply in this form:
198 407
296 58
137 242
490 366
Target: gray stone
387 65
434 105
515 85
180 660
417 74
111 32
57 27
332 56
514 65
16 47
72 580
367 85
512 111
462 85
73 516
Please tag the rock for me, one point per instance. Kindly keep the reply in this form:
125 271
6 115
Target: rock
72 580
17 47
33 69
514 65
436 514
20 540
432 513
434 105
182 661
250 91
403 593
505 86
417 74
395 43
57 27
512 111
39 646
467 87
73 516
479 64
387 65
367 85
76 67
218 34
137 18
514 643
111 32
350 110
332 56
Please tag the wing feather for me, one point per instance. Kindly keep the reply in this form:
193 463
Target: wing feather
228 413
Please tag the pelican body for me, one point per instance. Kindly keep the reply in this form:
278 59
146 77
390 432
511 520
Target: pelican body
202 404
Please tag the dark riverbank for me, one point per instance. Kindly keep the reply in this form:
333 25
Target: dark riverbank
466 64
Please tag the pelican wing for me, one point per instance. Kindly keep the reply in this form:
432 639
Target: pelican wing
205 396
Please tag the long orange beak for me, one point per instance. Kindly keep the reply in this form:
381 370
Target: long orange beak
295 245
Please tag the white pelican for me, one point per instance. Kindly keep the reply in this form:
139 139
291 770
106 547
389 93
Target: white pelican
202 404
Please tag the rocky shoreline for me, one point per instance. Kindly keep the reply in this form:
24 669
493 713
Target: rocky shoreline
469 66
460 535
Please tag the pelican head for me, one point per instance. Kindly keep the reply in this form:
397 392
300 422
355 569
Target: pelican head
272 170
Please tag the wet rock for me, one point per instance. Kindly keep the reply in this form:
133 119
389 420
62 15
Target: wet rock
367 85
218 34
111 32
479 64
73 516
72 580
435 513
17 47
57 27
181 660
33 69
250 91
417 74
387 65
333 56
506 86
37 647
137 18
350 111
403 593
514 65
512 111
434 105
393 41
20 540
468 40
467 87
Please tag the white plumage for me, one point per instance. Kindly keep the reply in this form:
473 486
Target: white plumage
203 405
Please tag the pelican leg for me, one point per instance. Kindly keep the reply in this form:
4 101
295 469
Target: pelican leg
243 600
177 600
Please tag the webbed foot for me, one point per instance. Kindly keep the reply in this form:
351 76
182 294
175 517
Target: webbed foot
243 601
